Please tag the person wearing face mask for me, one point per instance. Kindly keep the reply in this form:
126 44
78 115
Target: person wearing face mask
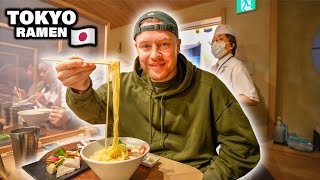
230 70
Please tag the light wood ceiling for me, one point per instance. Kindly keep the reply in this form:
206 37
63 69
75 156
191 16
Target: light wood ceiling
123 12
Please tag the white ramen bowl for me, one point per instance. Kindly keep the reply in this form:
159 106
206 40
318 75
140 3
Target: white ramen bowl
35 117
119 170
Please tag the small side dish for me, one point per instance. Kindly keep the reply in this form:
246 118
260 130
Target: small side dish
63 162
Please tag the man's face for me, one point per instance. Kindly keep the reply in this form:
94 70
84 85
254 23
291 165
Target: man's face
158 52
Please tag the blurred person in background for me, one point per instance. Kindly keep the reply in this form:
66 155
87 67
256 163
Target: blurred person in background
8 74
48 97
235 75
30 90
229 69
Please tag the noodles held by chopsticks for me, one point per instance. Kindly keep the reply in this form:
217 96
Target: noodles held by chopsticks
117 151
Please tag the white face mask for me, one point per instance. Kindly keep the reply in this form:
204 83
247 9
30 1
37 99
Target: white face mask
218 50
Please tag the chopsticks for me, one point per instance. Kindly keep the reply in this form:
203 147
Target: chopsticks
25 100
18 92
92 62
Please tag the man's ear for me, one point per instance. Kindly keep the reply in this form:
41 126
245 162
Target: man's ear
136 45
178 45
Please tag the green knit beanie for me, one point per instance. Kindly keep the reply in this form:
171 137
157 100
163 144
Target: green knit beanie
168 23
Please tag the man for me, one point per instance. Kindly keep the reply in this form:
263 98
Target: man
183 112
230 70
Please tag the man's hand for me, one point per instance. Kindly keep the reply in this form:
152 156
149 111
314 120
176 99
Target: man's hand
75 73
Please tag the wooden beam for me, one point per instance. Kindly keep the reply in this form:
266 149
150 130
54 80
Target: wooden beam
17 45
35 70
60 46
9 54
201 24
223 15
106 34
273 66
17 73
63 135
82 12
5 25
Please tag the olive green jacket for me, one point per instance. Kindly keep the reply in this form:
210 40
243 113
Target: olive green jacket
185 124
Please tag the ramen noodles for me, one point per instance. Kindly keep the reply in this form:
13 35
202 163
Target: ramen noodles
117 151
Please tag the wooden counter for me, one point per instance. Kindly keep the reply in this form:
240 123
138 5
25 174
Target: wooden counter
165 169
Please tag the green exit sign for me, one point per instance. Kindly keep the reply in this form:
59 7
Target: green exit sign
245 5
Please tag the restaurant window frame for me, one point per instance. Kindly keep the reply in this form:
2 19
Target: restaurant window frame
206 60
87 16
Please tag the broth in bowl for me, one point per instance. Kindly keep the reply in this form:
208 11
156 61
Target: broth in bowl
117 170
